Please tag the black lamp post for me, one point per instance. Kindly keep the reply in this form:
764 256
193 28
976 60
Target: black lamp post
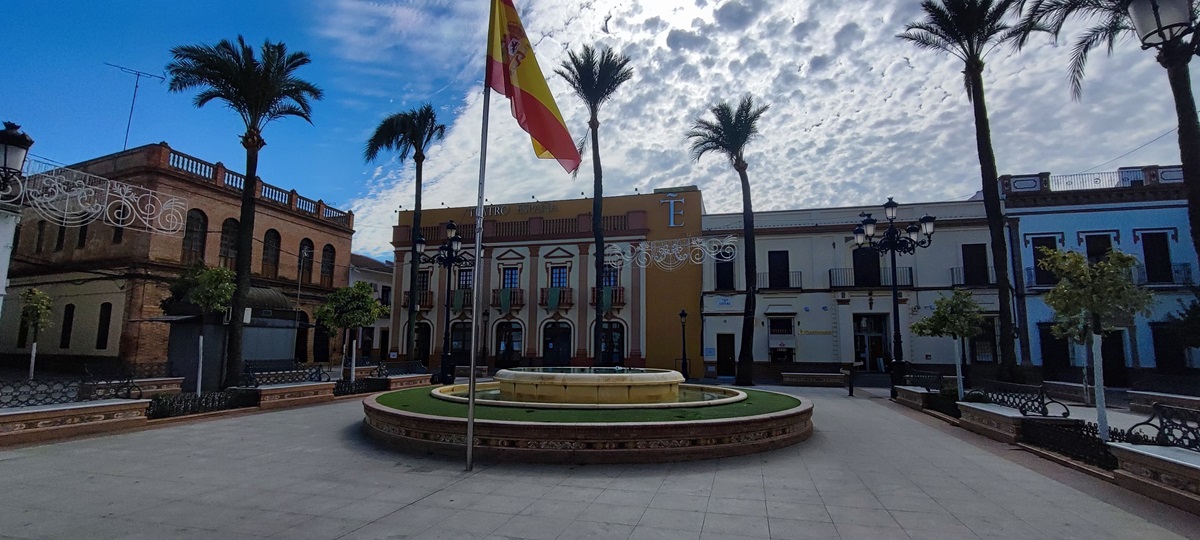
683 342
14 147
893 242
447 257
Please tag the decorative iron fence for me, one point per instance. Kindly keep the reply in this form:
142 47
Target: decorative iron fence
930 380
23 393
170 405
360 386
1027 398
387 369
1080 442
298 374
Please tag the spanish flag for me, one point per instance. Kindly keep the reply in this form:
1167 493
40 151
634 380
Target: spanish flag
513 71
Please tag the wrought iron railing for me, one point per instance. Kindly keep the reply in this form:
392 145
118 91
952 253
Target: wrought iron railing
1177 426
566 296
387 369
617 298
1027 398
366 385
845 278
1079 441
170 405
516 298
1039 279
1176 274
25 393
298 374
424 299
929 380
961 278
98 381
790 280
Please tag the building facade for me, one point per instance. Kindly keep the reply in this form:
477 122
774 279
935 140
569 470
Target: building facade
1141 211
823 302
107 282
374 341
537 276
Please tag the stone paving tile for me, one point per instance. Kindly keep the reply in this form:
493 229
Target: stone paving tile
675 501
554 508
625 497
589 530
533 527
739 507
725 526
612 513
794 510
672 519
792 529
642 532
863 532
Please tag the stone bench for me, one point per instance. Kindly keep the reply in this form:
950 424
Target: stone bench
837 380
396 382
1169 474
44 422
1143 402
999 422
914 397
274 396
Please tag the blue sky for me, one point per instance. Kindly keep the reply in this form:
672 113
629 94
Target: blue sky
856 115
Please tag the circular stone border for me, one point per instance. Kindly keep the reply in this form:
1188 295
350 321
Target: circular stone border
590 442
732 395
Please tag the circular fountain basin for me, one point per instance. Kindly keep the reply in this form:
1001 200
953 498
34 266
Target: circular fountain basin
689 395
589 385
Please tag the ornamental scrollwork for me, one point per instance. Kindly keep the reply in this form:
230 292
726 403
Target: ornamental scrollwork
671 255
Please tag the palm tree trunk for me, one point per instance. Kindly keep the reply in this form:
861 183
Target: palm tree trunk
995 218
245 248
1189 142
598 235
745 365
414 267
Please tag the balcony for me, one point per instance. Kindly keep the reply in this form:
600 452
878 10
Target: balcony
461 300
516 298
790 280
618 296
424 299
1036 278
961 278
1163 275
844 278
566 297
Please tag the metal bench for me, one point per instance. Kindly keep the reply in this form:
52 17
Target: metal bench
1169 469
387 369
929 380
1029 399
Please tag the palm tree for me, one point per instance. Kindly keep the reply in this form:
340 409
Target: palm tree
969 30
1112 21
260 89
728 135
409 132
594 78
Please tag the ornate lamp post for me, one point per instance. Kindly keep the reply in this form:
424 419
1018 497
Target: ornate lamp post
683 342
14 147
893 242
447 257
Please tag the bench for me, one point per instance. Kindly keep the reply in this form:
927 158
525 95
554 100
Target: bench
44 422
831 379
1143 402
397 375
298 386
919 386
998 410
1169 469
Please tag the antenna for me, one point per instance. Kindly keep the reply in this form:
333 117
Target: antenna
136 81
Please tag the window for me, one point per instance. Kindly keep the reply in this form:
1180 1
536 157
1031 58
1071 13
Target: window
385 295
68 323
41 237
723 271
975 265
465 277
270 257
558 276
81 240
612 276
510 277
1156 253
780 325
327 262
866 268
983 346
118 235
423 280
777 266
612 343
23 332
102 327
509 343
305 261
229 234
61 239
460 339
1098 246
195 235
1041 276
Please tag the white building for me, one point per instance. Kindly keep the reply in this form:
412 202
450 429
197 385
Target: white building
374 340
822 302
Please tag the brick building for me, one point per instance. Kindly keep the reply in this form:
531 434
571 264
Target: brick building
107 282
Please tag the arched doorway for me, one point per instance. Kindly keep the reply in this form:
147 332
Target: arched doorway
510 338
612 344
556 343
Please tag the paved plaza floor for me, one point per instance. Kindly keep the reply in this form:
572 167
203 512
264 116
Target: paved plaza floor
872 469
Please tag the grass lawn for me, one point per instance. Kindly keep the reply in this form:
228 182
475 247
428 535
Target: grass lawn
418 400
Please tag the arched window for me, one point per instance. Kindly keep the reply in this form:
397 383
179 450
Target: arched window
229 232
17 238
305 262
195 233
270 258
81 239
68 324
327 260
103 325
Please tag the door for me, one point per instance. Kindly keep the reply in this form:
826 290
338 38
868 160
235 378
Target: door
1056 354
1169 355
866 268
726 362
612 344
870 342
975 264
509 343
556 344
1112 350
421 344
460 343
320 344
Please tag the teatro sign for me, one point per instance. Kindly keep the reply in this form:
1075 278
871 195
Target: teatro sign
513 209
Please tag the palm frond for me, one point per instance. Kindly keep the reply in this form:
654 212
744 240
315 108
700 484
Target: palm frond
729 133
406 133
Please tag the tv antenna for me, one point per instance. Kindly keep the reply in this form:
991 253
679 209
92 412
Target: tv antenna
136 81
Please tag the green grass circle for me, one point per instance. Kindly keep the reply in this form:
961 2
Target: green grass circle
418 400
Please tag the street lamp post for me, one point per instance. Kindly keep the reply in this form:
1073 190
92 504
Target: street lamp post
14 147
447 257
683 342
895 242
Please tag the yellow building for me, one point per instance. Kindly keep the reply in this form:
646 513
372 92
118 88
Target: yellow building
537 274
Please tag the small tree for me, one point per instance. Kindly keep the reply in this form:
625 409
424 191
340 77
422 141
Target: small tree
210 289
1092 298
351 307
35 314
957 316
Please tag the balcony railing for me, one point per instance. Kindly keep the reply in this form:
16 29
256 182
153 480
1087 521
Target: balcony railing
618 296
424 299
1039 279
1177 274
516 298
468 299
790 280
842 278
961 278
566 297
